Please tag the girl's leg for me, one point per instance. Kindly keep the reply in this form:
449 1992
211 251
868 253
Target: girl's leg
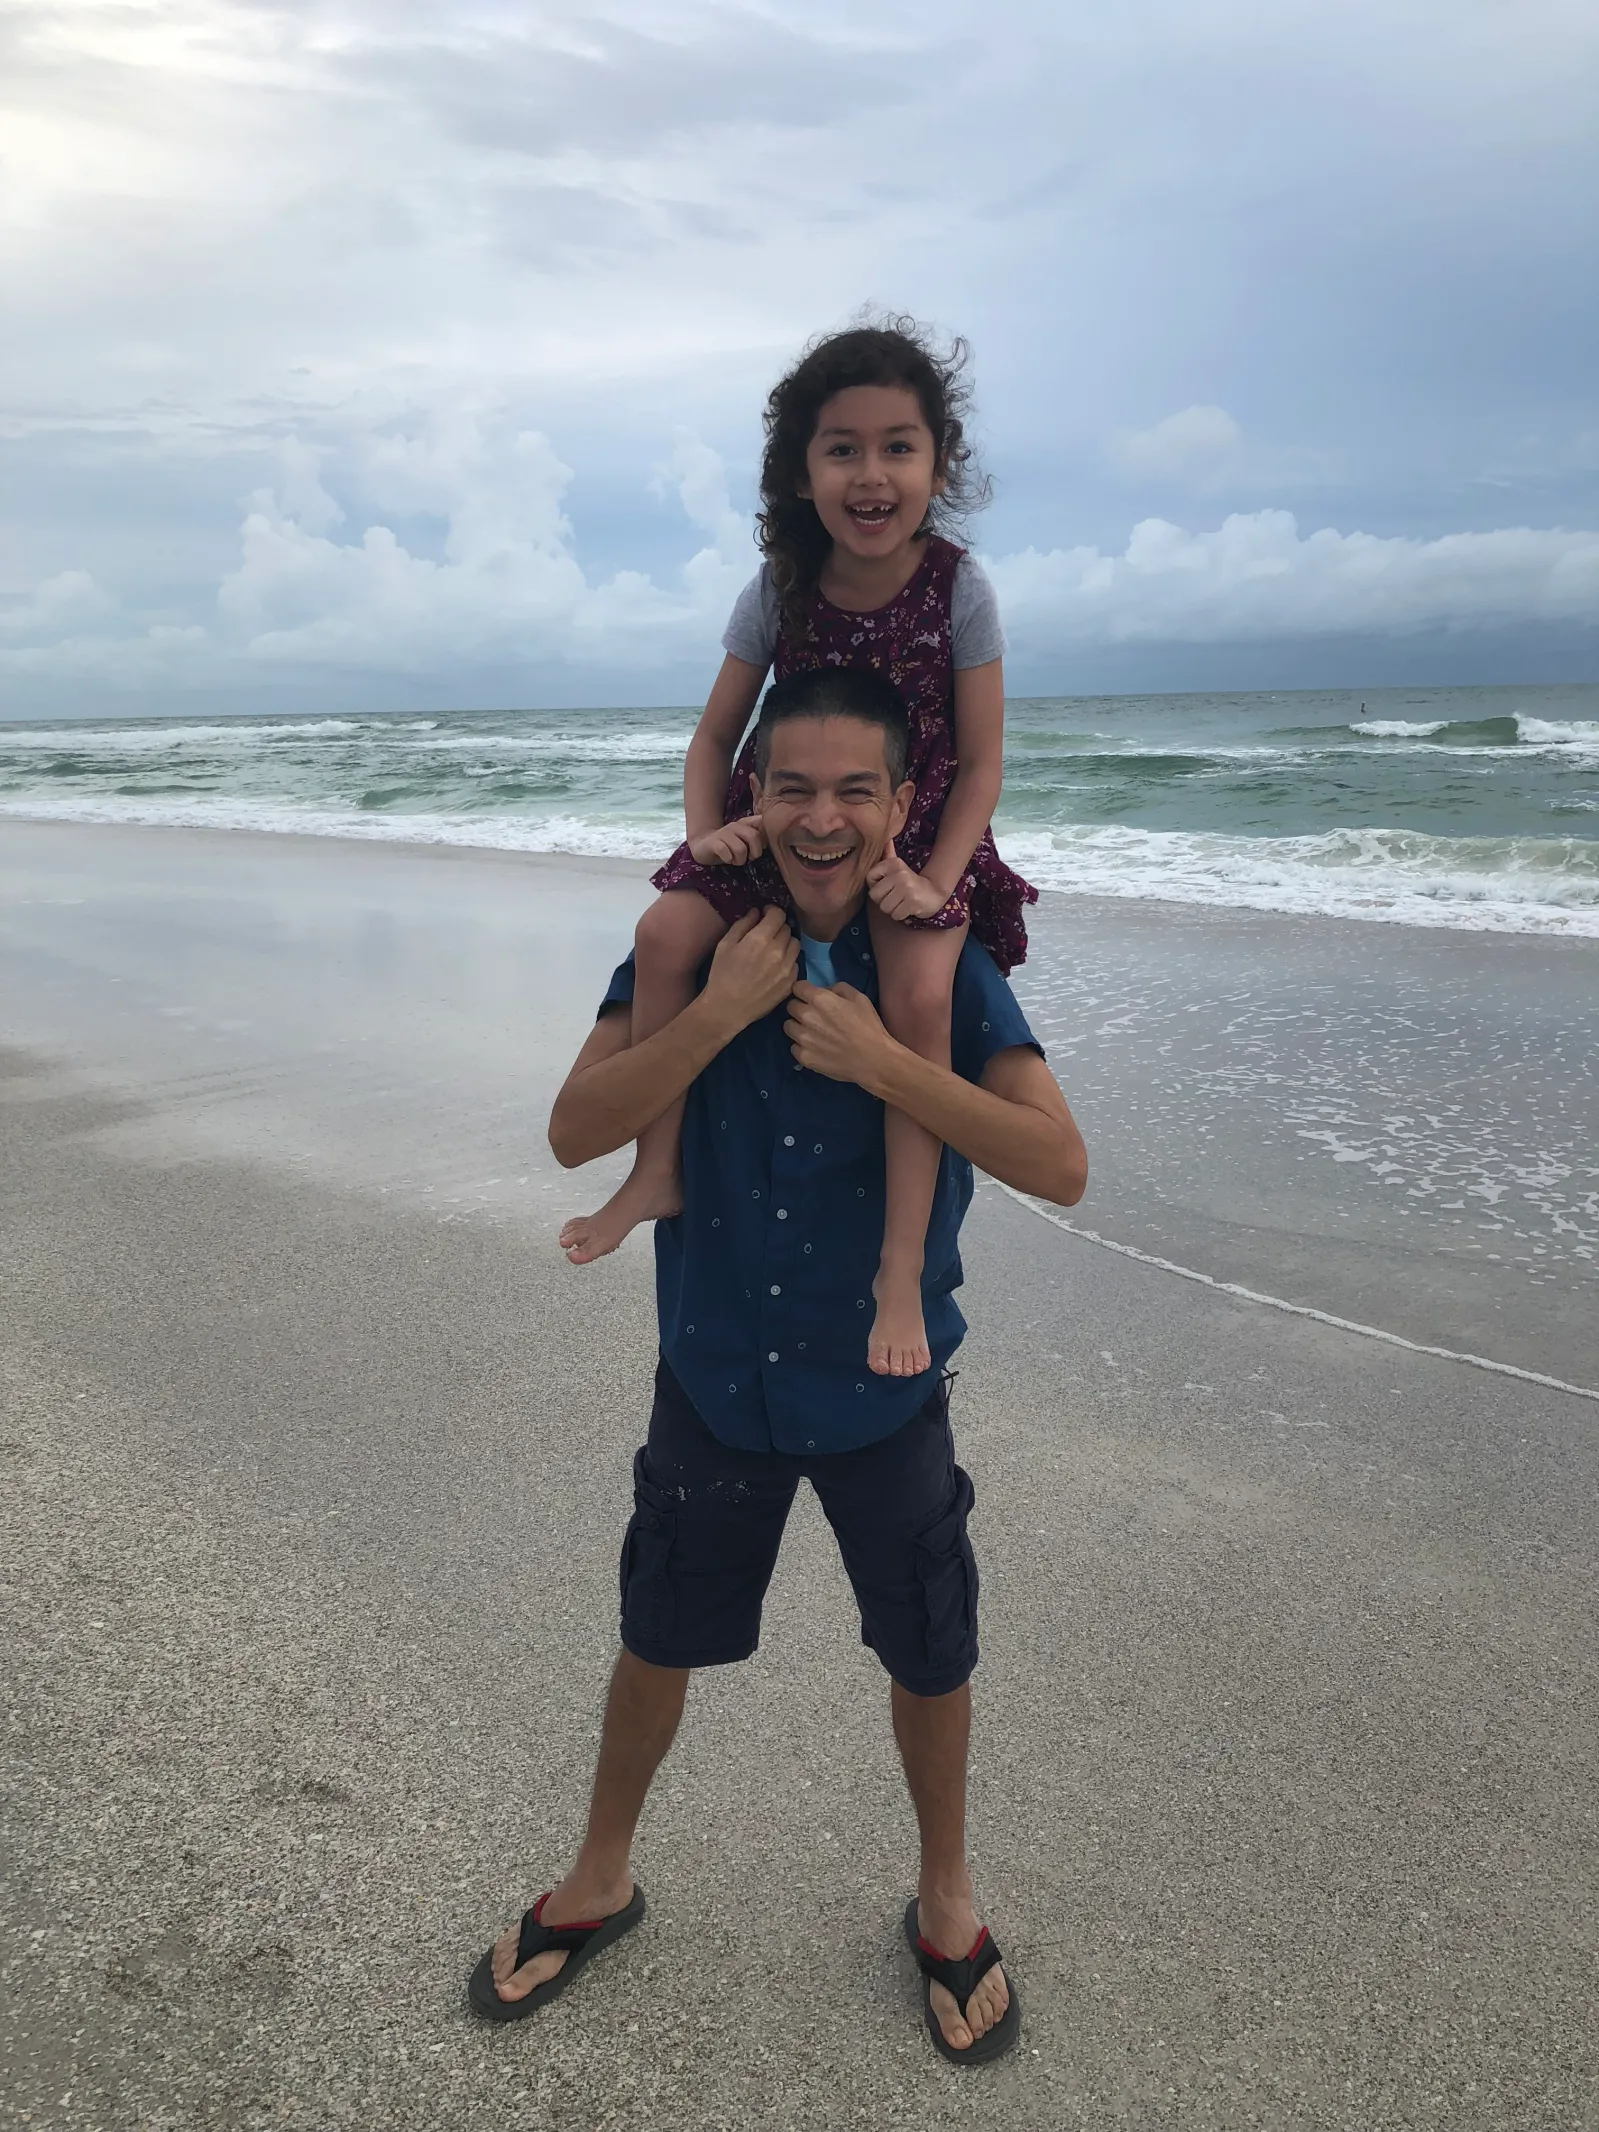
674 937
916 975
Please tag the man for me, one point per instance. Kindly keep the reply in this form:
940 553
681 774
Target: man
763 1288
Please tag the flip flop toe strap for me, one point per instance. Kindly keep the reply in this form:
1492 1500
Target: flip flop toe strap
961 1976
536 1938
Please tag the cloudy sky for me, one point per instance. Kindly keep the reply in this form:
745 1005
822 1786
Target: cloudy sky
411 354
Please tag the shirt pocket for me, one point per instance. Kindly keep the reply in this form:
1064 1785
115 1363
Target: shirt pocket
946 1569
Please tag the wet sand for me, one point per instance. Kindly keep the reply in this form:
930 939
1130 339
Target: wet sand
316 1457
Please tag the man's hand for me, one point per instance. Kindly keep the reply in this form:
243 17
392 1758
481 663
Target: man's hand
835 1030
734 844
752 970
899 891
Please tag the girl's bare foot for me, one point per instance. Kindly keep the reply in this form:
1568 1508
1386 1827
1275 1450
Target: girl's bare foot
646 1196
898 1344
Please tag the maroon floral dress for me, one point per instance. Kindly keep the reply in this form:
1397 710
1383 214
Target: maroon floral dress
909 640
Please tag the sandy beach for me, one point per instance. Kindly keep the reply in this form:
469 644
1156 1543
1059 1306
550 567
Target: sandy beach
316 1457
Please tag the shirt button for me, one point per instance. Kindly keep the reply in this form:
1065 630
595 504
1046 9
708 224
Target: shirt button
807 1250
716 1221
802 1347
772 1357
688 1328
782 1214
985 1028
811 1444
860 1191
755 1195
861 1305
817 1149
734 1388
860 1388
775 1290
788 1139
763 1095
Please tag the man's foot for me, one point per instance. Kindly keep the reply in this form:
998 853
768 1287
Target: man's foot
644 1197
898 1344
952 1928
576 1901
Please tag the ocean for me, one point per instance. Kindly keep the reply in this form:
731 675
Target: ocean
1456 807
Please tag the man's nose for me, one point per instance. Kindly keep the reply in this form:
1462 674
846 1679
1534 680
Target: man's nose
823 818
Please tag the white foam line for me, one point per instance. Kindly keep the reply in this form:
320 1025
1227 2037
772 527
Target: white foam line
1296 1310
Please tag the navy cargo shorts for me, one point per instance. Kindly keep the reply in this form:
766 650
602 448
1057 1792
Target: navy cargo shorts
708 1520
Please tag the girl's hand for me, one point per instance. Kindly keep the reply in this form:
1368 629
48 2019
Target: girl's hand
734 844
899 891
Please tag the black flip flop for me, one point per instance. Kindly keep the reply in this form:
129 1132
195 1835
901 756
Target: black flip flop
582 1942
960 1979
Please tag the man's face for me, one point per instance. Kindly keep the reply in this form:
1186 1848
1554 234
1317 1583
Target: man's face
828 809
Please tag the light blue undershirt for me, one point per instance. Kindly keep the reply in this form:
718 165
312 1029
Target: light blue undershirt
818 960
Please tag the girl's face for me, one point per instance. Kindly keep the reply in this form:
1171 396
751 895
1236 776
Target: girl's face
871 469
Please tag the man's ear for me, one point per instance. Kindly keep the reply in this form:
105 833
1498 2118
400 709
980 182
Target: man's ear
755 792
899 807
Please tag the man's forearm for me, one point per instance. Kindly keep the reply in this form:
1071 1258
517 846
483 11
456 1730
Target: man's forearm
1015 1142
609 1103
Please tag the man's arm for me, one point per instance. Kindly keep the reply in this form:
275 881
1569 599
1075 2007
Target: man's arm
1014 1124
616 1088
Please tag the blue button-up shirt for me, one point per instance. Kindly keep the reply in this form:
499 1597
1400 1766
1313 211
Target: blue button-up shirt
764 1281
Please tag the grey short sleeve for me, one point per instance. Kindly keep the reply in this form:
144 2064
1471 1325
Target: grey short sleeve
977 635
751 632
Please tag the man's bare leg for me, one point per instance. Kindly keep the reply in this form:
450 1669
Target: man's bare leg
642 1712
933 1732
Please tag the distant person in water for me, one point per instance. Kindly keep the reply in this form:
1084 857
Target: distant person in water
866 459
781 1073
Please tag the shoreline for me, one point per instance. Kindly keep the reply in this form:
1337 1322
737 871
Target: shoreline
622 867
1395 1128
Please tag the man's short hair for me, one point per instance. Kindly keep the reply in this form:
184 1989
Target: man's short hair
837 692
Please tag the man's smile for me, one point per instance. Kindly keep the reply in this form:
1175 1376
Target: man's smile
818 858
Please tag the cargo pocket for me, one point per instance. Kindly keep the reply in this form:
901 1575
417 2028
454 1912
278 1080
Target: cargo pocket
947 1571
647 1607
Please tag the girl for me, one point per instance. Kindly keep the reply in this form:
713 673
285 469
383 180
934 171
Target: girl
865 459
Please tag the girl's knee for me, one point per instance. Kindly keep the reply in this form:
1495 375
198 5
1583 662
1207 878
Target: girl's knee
679 929
916 1009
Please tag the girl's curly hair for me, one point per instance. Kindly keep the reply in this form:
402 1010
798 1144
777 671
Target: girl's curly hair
892 350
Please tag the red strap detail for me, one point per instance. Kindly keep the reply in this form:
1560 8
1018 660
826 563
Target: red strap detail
591 1924
938 1955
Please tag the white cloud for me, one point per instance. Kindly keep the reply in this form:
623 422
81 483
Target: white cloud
1200 442
507 593
1256 577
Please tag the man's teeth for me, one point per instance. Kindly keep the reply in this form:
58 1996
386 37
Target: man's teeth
818 858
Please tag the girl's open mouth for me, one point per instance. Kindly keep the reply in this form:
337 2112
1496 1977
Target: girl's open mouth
871 515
